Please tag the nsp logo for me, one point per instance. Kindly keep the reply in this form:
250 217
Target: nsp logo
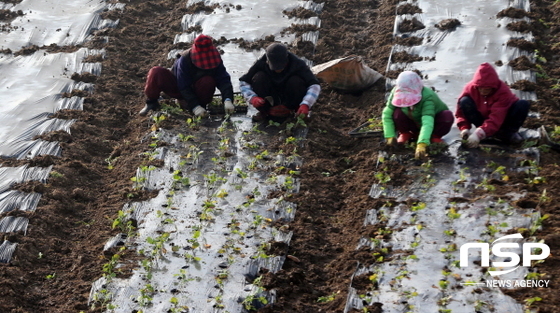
497 251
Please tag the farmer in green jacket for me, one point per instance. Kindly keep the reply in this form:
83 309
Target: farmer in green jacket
416 113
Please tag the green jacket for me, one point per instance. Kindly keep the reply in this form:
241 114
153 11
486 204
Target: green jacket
423 114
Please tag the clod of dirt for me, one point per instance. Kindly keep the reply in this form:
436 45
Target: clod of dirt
522 44
521 63
521 27
76 93
201 7
85 77
408 9
27 50
58 136
512 13
300 12
404 57
8 16
524 85
410 25
448 24
409 41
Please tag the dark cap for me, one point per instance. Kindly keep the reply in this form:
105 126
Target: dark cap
277 56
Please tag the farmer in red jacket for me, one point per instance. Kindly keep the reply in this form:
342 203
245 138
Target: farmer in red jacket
489 104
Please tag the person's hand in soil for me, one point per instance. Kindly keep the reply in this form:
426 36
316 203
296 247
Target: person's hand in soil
391 143
257 102
420 151
229 108
465 134
474 139
303 110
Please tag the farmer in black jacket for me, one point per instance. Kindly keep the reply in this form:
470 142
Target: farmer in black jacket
279 84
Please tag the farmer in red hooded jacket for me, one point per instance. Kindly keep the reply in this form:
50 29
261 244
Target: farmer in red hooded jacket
487 103
192 80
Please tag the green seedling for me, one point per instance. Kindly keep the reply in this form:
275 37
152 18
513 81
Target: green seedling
248 302
418 206
273 123
194 123
158 119
55 174
291 140
178 178
382 177
185 138
537 224
452 214
529 302
145 297
326 299
485 184
450 232
533 276
110 162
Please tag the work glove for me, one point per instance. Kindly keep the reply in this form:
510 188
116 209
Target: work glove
229 108
475 138
420 151
465 134
391 141
199 111
303 109
257 102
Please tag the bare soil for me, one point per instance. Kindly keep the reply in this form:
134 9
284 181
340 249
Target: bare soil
61 255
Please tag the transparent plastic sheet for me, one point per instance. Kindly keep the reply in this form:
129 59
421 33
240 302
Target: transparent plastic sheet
425 239
232 245
7 248
33 87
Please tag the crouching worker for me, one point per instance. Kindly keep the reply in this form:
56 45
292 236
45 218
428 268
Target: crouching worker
192 80
279 84
416 113
487 103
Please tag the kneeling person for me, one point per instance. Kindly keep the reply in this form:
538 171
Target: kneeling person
192 80
415 112
279 84
487 103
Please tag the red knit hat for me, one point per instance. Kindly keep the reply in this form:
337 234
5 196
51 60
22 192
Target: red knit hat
203 53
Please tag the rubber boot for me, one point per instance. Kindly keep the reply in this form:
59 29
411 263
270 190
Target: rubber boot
150 105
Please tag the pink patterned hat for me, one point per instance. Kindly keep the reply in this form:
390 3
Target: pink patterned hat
408 90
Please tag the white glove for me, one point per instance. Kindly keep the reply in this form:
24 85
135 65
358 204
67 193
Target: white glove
199 111
465 134
229 107
475 138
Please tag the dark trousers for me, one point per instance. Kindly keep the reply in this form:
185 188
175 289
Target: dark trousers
290 94
515 117
442 123
161 79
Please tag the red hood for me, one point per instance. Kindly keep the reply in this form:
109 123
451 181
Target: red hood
486 76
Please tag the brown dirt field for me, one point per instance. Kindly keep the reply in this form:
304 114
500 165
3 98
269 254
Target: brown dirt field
73 221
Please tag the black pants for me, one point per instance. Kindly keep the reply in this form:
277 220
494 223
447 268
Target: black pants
515 117
289 94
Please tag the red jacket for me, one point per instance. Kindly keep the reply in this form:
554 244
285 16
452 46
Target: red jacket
493 108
